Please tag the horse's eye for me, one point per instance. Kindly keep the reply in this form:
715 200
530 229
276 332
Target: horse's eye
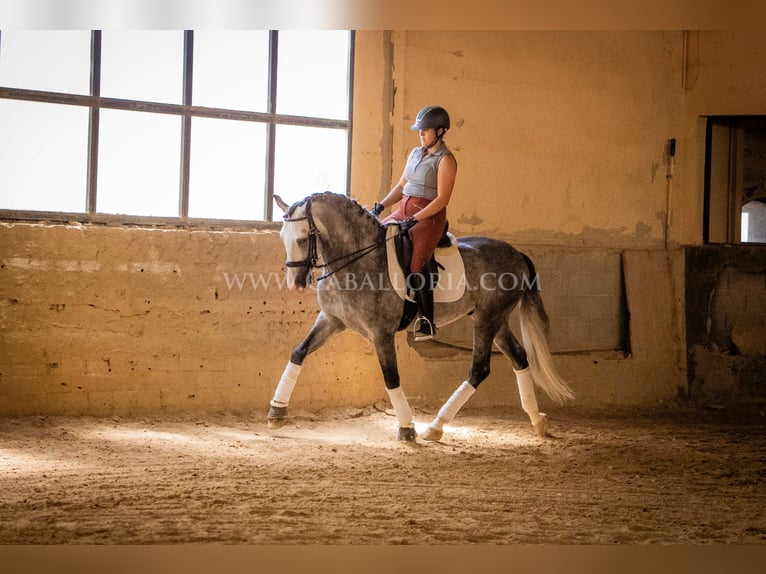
302 241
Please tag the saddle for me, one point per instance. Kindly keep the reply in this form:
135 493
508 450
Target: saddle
446 265
403 244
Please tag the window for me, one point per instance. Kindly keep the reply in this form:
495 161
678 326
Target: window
735 180
180 125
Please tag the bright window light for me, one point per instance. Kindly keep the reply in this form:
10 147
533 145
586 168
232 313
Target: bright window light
47 60
138 163
300 174
117 96
228 169
754 222
142 65
314 64
745 234
43 156
231 69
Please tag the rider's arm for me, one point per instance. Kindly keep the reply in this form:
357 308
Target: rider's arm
395 195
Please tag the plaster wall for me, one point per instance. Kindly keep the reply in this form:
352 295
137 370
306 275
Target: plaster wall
561 140
560 137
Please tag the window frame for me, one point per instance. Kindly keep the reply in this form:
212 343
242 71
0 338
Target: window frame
186 111
723 178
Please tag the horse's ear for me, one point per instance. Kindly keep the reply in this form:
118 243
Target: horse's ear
281 203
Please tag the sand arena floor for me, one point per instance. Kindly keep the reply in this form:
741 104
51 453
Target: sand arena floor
674 474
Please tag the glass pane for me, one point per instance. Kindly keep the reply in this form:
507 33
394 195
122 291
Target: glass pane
231 69
313 73
139 161
228 164
754 222
53 61
142 65
43 156
324 168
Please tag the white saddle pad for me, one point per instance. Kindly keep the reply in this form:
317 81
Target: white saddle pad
451 286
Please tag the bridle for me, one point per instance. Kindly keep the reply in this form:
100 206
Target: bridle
310 262
311 256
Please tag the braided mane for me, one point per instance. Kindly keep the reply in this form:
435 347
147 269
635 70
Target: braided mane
340 201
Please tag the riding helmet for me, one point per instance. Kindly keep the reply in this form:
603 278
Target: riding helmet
431 117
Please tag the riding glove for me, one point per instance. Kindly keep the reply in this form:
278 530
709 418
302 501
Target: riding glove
405 225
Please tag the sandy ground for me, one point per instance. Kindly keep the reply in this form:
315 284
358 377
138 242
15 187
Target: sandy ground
667 475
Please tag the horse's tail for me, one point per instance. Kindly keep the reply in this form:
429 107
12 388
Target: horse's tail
534 333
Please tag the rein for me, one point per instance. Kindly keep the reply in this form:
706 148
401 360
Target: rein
311 257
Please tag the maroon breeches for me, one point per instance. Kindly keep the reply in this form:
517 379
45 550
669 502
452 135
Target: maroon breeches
426 234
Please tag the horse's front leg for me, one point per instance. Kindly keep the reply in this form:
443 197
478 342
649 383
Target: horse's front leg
324 327
386 351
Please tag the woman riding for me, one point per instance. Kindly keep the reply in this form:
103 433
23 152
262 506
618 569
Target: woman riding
423 192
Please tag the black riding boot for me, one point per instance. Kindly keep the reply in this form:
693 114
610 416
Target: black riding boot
425 328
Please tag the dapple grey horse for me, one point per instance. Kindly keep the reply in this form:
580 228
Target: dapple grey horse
345 237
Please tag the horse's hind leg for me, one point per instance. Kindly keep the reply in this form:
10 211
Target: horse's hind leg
511 348
324 327
484 332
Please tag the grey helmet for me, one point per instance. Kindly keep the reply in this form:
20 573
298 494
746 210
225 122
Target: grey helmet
432 117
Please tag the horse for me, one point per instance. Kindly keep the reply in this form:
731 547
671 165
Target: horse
342 234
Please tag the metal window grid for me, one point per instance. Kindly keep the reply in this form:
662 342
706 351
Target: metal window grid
95 102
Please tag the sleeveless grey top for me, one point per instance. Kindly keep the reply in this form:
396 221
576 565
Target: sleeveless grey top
420 171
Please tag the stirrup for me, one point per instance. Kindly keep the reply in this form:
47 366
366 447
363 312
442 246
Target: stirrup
423 329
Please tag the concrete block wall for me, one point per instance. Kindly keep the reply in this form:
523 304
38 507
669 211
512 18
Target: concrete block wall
116 320
653 370
738 312
726 323
584 295
100 320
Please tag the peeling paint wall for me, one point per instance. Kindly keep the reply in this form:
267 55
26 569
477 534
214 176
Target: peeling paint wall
726 323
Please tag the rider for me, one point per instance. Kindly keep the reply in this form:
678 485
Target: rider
424 191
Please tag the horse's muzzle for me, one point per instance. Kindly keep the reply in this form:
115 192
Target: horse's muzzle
298 278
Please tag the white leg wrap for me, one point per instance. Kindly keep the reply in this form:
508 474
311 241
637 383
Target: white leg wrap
450 409
401 407
527 393
286 385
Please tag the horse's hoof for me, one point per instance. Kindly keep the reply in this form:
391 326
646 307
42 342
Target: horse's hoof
432 434
277 417
407 434
276 423
541 425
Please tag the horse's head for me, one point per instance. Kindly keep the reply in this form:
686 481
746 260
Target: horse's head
327 225
299 235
